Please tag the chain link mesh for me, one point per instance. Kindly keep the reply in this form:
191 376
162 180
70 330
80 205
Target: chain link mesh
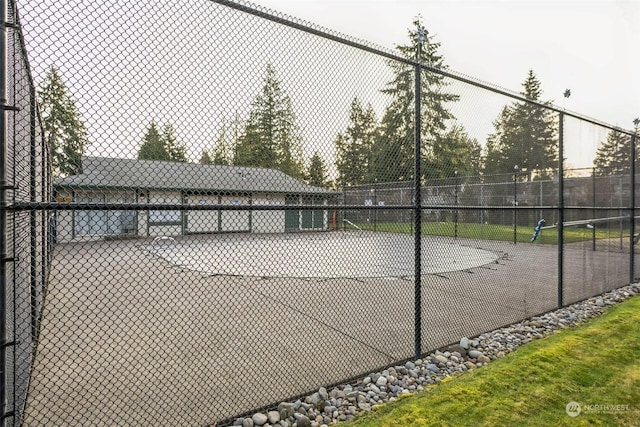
211 208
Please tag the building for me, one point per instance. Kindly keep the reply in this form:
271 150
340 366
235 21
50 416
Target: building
130 181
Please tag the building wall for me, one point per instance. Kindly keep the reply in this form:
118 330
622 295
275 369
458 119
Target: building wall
64 219
72 225
87 224
202 221
267 221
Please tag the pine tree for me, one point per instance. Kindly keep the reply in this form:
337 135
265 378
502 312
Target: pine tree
177 151
454 152
271 137
612 157
316 173
205 158
394 150
226 142
153 147
353 147
65 133
524 136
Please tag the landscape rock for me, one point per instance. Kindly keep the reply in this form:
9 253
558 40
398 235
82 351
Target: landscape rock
474 354
273 417
322 408
259 419
304 421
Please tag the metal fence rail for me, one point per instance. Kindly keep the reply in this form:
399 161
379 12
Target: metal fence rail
208 208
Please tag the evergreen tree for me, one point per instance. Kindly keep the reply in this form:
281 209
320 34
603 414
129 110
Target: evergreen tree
205 158
316 173
394 149
65 133
153 147
271 137
524 136
454 151
612 157
177 151
226 142
353 147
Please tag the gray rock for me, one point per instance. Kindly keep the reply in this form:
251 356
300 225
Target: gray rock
286 410
474 354
432 368
382 382
441 359
464 343
323 393
273 417
410 365
247 422
304 421
259 419
238 422
364 406
483 359
458 350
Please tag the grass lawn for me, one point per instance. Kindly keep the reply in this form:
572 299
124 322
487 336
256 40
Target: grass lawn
498 232
597 363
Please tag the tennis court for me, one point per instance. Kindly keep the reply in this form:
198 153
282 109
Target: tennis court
137 332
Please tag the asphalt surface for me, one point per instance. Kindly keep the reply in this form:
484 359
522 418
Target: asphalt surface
129 337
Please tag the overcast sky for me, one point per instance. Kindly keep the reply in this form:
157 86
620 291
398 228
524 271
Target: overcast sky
126 65
590 47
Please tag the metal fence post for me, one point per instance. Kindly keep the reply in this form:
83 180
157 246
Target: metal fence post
417 200
632 226
560 227
3 210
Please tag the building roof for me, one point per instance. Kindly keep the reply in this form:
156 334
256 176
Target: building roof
116 173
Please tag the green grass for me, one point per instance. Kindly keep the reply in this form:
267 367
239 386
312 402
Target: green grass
597 363
496 232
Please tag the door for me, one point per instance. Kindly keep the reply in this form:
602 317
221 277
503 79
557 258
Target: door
291 217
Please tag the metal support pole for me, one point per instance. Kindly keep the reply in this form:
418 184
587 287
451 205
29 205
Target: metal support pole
375 211
3 209
515 204
34 225
632 224
560 209
593 211
417 211
455 229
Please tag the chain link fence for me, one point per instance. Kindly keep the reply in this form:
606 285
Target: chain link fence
209 208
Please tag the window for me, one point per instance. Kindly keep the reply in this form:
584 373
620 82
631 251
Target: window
165 217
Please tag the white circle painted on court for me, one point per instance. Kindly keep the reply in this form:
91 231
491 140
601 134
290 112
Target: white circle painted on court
324 255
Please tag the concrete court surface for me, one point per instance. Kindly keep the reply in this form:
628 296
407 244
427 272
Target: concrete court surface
129 338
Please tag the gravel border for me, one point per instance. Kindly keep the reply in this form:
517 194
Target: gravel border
345 402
